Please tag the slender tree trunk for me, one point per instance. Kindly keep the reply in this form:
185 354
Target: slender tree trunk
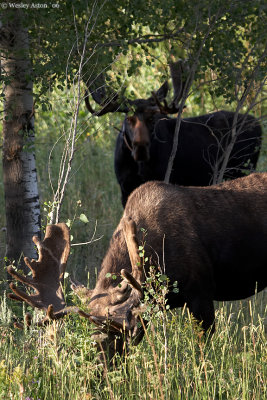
19 169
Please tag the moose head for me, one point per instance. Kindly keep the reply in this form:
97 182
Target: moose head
142 114
113 309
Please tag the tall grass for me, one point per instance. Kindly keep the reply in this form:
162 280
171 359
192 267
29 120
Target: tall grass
60 362
174 360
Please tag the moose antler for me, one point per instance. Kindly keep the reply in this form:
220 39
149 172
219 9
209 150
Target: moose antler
108 103
177 70
123 292
137 277
47 274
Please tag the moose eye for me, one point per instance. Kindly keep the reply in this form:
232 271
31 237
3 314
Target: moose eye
149 117
122 287
131 120
120 293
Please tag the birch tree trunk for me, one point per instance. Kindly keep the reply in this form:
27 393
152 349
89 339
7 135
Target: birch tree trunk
19 169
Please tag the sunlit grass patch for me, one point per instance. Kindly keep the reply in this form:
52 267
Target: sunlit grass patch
179 362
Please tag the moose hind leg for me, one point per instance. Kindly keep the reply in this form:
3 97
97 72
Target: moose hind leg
203 311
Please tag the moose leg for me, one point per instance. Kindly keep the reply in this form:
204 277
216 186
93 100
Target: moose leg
203 310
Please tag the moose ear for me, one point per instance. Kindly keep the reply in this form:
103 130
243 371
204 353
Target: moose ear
162 92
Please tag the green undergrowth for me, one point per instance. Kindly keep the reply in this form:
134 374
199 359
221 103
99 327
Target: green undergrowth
173 361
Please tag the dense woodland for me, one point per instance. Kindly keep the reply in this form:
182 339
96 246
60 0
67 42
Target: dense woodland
54 53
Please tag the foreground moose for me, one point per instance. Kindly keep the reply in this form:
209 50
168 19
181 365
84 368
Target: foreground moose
144 144
211 240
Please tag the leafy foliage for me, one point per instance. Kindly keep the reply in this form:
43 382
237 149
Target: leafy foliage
231 36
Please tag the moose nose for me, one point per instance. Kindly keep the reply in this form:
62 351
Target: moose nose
140 152
143 143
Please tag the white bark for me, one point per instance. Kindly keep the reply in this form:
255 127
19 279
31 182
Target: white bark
19 169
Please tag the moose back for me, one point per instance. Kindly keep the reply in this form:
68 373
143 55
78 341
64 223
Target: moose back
142 153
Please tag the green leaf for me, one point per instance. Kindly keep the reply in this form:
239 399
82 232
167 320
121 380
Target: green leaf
68 223
163 278
84 218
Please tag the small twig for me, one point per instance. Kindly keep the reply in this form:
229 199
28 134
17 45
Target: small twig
90 241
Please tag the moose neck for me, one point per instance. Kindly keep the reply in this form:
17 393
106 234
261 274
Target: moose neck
115 259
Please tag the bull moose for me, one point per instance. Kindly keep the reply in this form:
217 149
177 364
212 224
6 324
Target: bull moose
144 144
211 240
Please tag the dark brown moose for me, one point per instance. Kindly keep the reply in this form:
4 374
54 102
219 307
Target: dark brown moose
211 240
144 144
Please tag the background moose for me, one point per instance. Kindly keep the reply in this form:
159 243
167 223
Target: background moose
144 144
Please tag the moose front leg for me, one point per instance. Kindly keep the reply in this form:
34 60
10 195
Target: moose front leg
203 311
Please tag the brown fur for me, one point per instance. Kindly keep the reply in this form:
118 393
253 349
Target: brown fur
211 240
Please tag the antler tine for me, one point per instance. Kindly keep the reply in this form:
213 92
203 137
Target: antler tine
108 103
19 277
177 70
14 297
103 322
56 245
98 90
132 281
129 230
22 296
109 106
